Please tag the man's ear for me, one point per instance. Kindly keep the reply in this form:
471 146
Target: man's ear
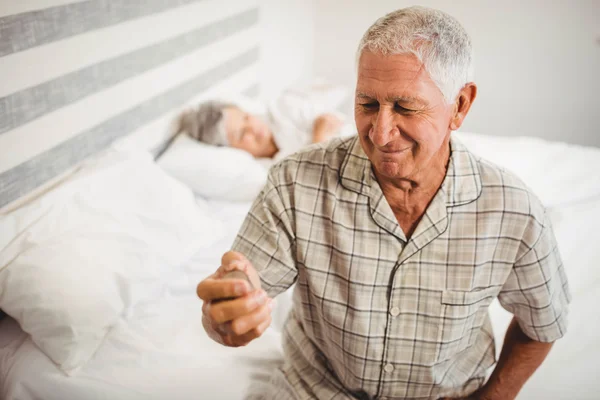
463 103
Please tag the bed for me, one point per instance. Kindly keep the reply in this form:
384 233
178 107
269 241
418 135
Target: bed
110 243
159 350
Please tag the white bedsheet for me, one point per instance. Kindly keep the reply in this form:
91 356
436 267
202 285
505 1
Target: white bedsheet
161 351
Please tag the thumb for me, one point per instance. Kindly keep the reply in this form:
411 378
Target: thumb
233 260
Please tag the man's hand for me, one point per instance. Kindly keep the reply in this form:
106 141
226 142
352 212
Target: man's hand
234 312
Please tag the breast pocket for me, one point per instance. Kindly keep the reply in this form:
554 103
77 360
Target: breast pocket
462 316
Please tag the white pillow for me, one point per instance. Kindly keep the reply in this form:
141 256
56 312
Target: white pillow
86 253
220 173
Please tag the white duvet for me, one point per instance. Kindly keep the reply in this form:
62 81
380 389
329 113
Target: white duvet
160 350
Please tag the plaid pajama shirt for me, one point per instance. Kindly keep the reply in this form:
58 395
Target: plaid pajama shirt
377 316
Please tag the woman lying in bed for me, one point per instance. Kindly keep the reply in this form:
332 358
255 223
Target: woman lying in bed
289 124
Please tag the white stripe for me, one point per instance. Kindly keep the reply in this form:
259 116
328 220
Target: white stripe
33 138
11 7
40 64
156 132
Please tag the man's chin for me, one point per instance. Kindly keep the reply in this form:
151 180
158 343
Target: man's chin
391 170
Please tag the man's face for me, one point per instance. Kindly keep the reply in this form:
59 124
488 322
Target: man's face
401 116
247 132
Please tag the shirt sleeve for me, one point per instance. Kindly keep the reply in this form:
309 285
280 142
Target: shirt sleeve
267 238
537 291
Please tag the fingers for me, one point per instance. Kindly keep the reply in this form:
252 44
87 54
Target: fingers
233 260
240 331
212 289
229 310
246 323
242 340
237 274
233 257
233 312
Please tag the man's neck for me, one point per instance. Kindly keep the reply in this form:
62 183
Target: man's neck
409 197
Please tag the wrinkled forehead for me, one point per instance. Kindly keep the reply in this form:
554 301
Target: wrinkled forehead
394 76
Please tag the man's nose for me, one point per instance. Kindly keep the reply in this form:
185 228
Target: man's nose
383 129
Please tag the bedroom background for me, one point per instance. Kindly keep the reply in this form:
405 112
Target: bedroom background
77 75
536 62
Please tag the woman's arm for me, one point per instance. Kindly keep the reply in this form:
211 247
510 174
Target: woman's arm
324 127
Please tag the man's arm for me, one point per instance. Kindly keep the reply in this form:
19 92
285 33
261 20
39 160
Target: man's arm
537 293
519 359
324 127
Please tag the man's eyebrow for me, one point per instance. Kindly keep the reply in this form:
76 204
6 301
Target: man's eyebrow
407 99
363 95
395 99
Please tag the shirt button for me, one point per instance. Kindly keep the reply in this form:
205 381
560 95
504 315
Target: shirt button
388 368
395 311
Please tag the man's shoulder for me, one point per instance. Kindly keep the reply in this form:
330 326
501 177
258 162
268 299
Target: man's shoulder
503 187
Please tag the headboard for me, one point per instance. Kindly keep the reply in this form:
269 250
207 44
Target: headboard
77 75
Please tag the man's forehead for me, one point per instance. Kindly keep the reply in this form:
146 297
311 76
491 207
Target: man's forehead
398 77
377 62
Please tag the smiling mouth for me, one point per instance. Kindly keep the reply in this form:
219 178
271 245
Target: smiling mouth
387 151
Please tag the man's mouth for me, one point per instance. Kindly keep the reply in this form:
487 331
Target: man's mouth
393 151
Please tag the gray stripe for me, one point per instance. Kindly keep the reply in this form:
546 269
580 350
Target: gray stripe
30 29
26 105
25 177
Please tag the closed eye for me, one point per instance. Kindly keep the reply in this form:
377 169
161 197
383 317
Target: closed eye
370 106
403 110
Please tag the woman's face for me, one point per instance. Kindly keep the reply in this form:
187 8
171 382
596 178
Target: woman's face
248 132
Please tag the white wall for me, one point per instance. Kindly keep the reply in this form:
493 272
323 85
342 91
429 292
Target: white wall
537 62
288 29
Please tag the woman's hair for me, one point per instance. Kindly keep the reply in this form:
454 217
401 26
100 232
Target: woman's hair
206 123
434 37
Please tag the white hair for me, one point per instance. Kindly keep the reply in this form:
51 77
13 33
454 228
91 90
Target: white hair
434 37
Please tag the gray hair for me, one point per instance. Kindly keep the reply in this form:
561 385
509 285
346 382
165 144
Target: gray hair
206 123
437 39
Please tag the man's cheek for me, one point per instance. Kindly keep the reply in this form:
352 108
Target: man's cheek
363 126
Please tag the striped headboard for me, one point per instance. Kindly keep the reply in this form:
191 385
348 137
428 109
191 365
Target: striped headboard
77 75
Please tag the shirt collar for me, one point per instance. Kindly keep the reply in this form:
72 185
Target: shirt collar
461 185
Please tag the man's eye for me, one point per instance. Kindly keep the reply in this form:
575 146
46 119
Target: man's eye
370 106
403 110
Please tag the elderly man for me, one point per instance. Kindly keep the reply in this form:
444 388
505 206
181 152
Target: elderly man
398 240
